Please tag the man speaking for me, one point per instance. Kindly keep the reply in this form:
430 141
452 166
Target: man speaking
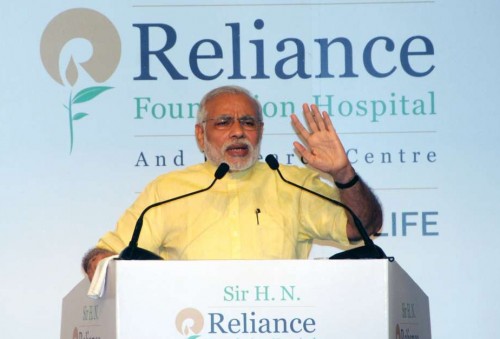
250 213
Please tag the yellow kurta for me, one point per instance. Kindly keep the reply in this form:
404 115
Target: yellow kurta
223 223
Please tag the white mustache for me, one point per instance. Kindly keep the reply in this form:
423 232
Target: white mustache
239 143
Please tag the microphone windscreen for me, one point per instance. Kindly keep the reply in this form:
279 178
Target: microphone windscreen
272 162
221 171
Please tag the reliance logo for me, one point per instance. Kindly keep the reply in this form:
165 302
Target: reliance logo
81 26
290 56
190 323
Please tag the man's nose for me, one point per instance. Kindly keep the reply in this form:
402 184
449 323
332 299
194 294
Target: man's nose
236 129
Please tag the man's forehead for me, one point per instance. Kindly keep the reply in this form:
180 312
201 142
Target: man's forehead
231 104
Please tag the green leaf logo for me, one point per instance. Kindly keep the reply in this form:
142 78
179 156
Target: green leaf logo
78 116
85 95
89 93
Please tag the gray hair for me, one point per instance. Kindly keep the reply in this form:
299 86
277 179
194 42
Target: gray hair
202 111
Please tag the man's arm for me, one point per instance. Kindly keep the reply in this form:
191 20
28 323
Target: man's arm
361 200
324 151
92 258
115 241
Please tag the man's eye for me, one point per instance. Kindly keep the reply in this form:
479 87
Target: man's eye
223 122
248 122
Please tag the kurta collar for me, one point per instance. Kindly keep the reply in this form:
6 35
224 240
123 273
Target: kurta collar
237 175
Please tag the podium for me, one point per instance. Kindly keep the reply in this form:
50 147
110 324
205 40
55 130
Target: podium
261 299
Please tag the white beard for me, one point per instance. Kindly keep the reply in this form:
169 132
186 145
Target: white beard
217 156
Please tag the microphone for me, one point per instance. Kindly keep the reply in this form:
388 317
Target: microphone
368 251
132 251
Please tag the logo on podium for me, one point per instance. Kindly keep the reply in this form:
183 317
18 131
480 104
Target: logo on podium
189 322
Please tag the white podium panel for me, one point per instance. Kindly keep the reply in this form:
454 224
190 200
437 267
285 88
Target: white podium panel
300 299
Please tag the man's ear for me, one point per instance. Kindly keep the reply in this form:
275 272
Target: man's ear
200 136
